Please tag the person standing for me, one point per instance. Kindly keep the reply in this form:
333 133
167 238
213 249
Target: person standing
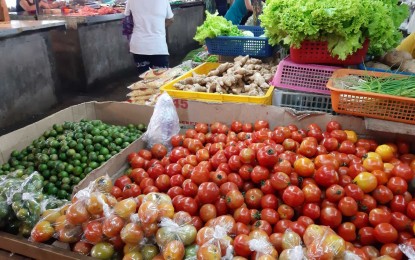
148 41
238 10
222 6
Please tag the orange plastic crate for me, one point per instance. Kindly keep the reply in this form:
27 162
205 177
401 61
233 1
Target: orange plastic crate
367 104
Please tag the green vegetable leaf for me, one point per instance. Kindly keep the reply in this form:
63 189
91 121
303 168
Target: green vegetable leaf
345 24
214 26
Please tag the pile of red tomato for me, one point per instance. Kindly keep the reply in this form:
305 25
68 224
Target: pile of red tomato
285 178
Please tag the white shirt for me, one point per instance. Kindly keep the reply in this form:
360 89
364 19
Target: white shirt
149 33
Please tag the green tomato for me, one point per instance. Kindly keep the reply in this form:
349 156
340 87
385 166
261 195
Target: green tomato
4 209
102 250
191 252
22 214
149 252
187 234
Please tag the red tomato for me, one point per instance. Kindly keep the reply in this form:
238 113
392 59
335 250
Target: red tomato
131 190
311 210
259 173
234 199
385 233
308 147
221 207
285 212
138 174
190 189
398 204
190 206
262 225
397 185
177 140
404 171
253 198
293 196
247 155
326 175
331 144
163 182
400 221
177 153
241 245
156 170
116 192
367 203
304 167
200 175
158 151
269 201
236 126
207 212
283 166
261 124
137 161
208 192
377 216
175 191
267 156
382 194
333 125
122 181
298 228
218 158
270 215
334 193
360 220
266 187
245 172
242 215
410 210
226 187
280 180
347 231
348 206
242 228
146 154
219 177
391 250
282 226
354 191
331 217
235 178
365 236
201 128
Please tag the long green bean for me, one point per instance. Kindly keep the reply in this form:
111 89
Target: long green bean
393 85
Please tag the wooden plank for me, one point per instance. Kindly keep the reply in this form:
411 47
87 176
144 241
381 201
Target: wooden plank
21 246
4 12
389 126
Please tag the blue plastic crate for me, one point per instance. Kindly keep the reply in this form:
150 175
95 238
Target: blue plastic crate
241 45
362 66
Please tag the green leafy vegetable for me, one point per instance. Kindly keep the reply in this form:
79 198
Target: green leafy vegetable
214 26
345 24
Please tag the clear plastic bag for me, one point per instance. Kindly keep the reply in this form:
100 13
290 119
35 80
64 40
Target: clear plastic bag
22 202
408 251
296 252
262 249
164 123
176 232
216 237
323 243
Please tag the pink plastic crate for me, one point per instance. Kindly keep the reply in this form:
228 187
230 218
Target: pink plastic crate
303 77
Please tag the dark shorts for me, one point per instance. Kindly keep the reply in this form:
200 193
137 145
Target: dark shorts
145 62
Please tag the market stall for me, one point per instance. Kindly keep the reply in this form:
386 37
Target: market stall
93 50
27 68
240 152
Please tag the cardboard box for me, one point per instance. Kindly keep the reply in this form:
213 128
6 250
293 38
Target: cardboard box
116 113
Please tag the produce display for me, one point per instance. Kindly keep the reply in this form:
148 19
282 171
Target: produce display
89 11
321 189
401 61
147 89
391 85
344 24
66 153
246 76
214 26
22 202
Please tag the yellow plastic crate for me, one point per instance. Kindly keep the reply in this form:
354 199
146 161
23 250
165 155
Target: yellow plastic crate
205 68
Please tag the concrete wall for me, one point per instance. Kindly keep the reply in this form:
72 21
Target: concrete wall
27 78
180 34
105 51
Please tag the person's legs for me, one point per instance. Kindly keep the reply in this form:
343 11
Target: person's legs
222 6
159 61
142 62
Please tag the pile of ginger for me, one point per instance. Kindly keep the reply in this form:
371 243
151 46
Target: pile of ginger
246 76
